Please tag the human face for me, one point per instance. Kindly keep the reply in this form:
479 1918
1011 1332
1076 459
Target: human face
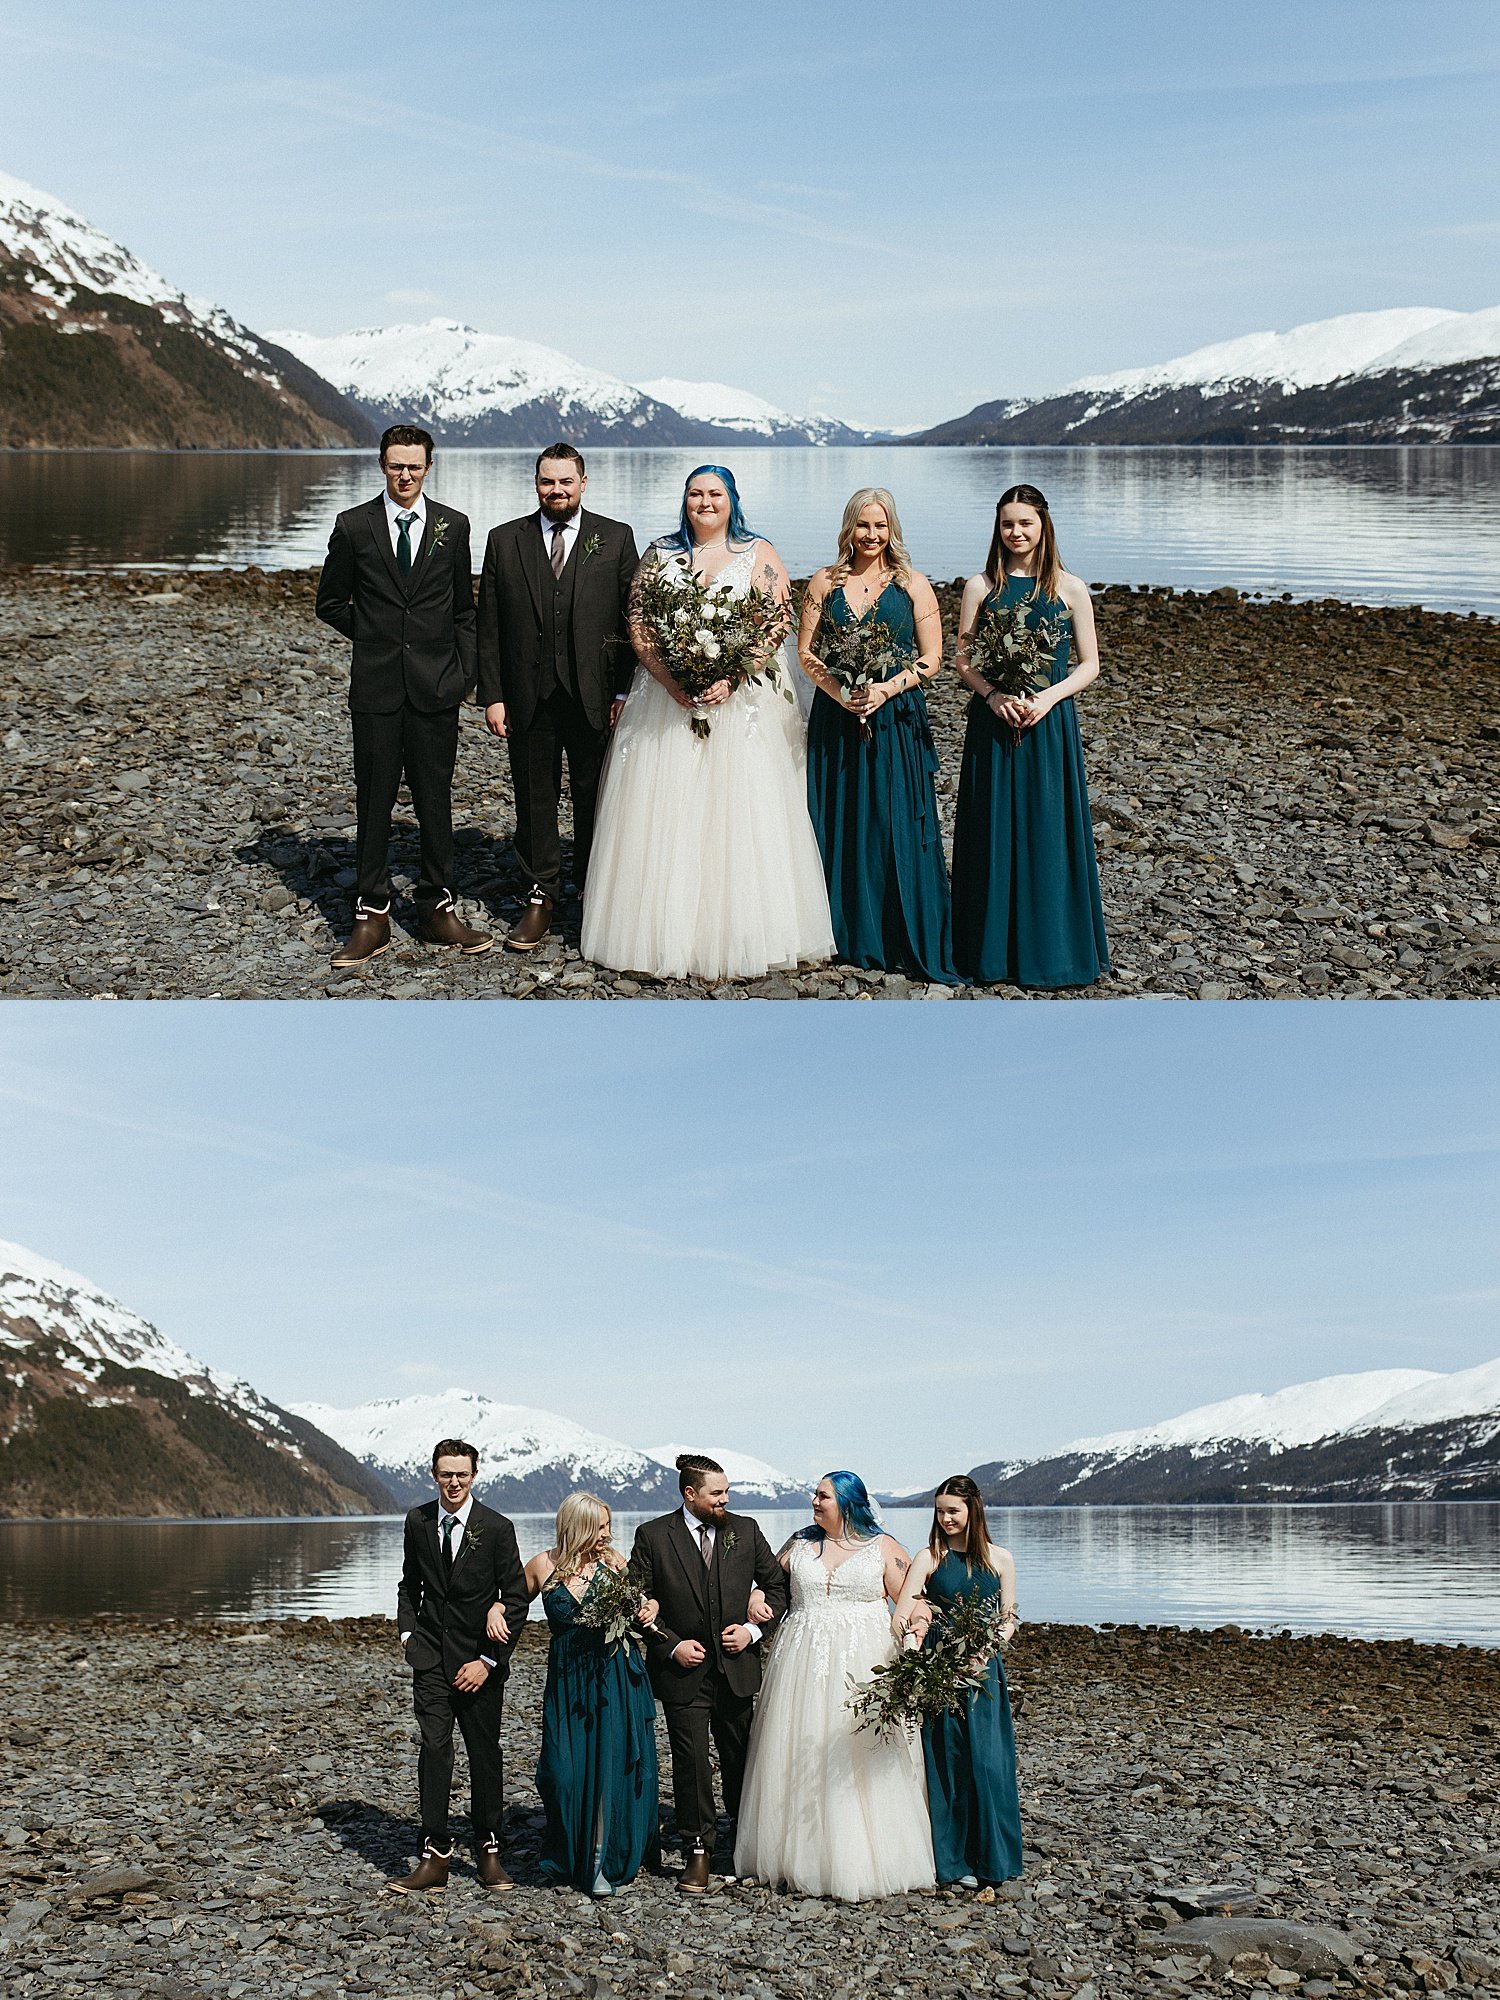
825 1508
707 503
872 533
1020 532
601 1540
454 1475
953 1518
405 467
559 487
710 1501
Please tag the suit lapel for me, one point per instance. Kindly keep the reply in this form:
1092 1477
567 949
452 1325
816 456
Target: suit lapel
435 1547
691 1557
466 1539
381 534
530 550
425 548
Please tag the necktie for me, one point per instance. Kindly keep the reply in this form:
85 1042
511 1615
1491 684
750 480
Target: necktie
403 545
450 1522
559 549
705 1543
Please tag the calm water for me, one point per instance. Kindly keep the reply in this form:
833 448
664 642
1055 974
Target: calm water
1406 525
1421 1572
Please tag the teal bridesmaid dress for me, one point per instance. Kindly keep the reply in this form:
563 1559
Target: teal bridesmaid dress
971 1759
597 1773
1026 908
874 810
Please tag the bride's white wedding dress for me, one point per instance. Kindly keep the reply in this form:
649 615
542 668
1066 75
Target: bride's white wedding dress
704 862
828 1809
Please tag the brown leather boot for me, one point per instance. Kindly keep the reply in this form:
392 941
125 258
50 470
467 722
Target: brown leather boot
533 924
431 1872
443 925
694 1878
491 1869
368 939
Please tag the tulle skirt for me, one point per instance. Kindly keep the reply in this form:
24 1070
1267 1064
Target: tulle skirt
704 862
827 1809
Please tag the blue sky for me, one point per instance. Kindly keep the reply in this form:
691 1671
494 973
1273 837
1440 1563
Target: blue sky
887 214
905 1238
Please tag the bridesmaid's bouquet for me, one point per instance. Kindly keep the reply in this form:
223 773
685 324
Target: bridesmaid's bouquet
927 1681
1015 657
612 1606
859 655
702 636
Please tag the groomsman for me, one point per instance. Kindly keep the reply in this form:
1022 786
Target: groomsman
702 1563
554 666
460 1608
397 584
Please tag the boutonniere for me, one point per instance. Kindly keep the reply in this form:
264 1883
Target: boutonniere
472 1538
729 1541
592 547
439 529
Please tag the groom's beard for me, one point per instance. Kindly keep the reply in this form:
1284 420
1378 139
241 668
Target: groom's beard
557 517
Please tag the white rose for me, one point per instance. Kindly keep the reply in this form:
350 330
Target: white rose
710 611
680 617
711 647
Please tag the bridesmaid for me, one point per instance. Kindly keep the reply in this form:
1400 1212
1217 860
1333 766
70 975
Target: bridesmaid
970 1757
1026 907
597 1772
870 788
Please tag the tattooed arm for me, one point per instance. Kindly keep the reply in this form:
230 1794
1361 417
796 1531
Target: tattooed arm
897 1563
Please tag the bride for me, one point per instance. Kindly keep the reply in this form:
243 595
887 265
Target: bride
704 860
827 1809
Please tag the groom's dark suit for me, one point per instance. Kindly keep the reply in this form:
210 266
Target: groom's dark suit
445 1615
413 663
556 651
697 1601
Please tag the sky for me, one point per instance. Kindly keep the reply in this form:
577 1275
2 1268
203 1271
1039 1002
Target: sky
885 215
904 1238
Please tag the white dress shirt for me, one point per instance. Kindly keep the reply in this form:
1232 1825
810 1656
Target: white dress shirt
569 527
395 507
460 1514
695 1528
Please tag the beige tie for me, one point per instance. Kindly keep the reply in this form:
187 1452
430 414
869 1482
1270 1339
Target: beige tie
705 1544
559 549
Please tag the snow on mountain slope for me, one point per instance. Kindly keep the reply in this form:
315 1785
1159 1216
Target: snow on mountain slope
717 403
1471 1392
749 1478
1297 1415
1460 337
1321 351
458 375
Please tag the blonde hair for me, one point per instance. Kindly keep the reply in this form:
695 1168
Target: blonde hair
895 551
579 1519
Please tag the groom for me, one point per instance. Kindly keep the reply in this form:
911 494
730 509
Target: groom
701 1563
460 1609
554 665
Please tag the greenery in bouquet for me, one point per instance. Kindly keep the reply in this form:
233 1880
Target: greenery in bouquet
612 1604
937 1678
859 655
702 636
1013 653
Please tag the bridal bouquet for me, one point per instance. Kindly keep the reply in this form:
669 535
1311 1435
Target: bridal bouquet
1014 657
612 1604
859 655
931 1680
702 636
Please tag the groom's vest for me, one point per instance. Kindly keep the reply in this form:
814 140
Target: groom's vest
558 666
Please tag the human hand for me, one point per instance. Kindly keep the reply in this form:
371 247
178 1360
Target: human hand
471 1676
494 717
688 1653
864 701
711 697
1038 706
647 1615
616 709
1010 709
496 1625
735 1639
758 1610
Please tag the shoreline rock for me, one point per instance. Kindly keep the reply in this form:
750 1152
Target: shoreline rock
1290 800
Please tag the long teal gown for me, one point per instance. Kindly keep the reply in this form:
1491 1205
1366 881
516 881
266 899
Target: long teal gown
874 810
971 1758
1026 908
597 1772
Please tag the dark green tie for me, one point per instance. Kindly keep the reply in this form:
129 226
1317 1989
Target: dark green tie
403 545
450 1523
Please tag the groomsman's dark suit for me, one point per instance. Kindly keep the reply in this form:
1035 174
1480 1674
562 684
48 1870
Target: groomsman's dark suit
556 650
445 1612
697 1601
413 663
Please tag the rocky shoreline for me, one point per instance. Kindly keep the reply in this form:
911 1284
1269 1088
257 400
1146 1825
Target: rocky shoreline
208 1810
1290 800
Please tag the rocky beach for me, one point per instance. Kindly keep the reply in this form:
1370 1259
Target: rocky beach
207 1810
1290 799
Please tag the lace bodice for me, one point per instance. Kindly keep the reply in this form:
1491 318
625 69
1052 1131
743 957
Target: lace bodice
856 1587
734 579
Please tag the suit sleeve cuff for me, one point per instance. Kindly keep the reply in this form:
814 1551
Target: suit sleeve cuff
754 1631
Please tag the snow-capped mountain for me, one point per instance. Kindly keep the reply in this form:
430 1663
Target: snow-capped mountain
172 369
1397 1433
101 1413
751 1481
1422 373
474 388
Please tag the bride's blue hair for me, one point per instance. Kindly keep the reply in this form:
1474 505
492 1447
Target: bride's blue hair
739 529
854 1505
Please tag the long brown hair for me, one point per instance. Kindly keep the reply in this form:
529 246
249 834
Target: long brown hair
976 1551
1049 567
